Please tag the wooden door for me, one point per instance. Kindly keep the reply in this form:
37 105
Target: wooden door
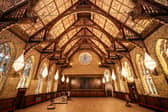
20 98
133 94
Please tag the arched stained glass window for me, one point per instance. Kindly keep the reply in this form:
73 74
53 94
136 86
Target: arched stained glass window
5 56
146 78
162 53
25 73
128 71
42 74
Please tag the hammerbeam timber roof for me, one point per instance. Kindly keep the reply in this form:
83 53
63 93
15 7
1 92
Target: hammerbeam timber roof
104 26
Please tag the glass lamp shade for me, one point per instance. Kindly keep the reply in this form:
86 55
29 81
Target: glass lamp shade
67 80
124 72
56 75
103 80
19 63
149 62
45 72
63 78
113 76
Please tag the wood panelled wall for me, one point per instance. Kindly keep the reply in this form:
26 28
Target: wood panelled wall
157 103
10 103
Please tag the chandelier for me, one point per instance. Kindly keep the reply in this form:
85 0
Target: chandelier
67 80
124 72
113 76
45 72
63 78
19 63
149 62
56 75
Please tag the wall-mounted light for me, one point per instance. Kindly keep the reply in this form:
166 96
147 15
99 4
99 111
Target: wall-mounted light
18 63
107 78
63 78
124 72
45 72
113 76
149 62
56 75
71 64
103 80
67 80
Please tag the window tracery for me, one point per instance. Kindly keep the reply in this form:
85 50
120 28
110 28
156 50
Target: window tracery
162 53
146 76
5 57
25 74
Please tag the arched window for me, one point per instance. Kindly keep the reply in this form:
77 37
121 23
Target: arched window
5 56
162 53
25 73
121 82
129 75
147 81
50 79
42 75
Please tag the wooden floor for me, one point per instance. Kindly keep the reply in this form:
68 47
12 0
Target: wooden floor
88 105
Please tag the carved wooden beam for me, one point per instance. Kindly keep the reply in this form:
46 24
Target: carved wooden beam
57 39
94 45
146 9
77 44
93 8
18 12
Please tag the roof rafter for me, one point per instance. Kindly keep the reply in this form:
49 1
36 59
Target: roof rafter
74 9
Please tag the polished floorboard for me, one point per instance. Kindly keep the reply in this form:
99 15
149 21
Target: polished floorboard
88 104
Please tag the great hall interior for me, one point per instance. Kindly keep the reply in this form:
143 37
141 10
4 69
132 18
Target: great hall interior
84 55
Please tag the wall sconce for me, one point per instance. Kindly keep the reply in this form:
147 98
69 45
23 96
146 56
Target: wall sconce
113 76
18 63
103 80
45 72
124 72
107 78
67 80
63 78
56 75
